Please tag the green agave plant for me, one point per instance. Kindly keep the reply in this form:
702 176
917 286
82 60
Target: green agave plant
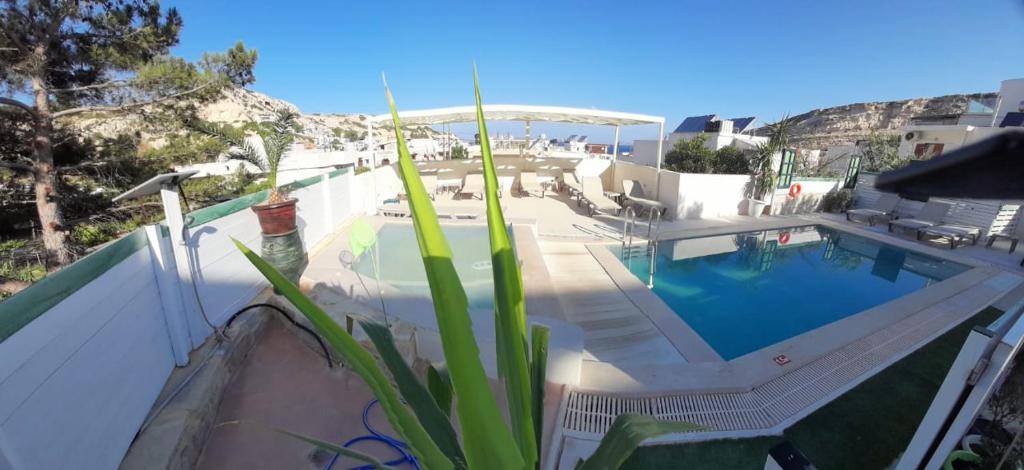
420 413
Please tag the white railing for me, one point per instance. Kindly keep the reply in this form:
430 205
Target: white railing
85 352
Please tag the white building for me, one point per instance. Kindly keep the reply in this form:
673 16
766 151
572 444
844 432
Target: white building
718 132
928 136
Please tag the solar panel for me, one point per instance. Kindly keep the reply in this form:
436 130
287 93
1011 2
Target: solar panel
741 124
581 138
695 123
1015 119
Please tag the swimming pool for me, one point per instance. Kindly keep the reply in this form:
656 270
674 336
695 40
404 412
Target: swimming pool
746 291
401 265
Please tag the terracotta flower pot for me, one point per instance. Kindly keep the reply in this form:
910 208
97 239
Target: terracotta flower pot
276 219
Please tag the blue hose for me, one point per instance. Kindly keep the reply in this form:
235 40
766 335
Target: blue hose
376 436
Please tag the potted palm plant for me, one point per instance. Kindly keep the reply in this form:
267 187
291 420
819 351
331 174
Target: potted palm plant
277 214
762 166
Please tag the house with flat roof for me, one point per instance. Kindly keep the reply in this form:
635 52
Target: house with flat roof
717 131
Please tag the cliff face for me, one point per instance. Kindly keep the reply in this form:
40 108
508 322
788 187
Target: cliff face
846 124
236 106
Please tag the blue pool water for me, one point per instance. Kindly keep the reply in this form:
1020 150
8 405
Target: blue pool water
743 292
402 266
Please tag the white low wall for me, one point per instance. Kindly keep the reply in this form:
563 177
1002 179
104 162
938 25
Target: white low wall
699 196
812 190
93 344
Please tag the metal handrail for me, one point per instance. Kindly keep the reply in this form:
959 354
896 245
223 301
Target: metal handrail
628 227
653 225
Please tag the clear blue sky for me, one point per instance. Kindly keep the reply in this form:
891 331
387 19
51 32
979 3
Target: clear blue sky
667 58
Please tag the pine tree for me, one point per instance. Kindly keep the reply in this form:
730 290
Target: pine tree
65 58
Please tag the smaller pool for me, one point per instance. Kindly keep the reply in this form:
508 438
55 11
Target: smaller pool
401 265
746 291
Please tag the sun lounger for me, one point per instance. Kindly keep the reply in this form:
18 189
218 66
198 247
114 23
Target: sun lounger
593 196
931 214
883 210
954 233
1014 235
570 183
528 182
635 194
473 184
429 182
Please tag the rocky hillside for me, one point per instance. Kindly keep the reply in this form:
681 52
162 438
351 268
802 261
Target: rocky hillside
846 124
237 106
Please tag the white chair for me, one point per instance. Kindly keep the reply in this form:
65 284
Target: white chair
930 215
473 184
528 182
593 195
883 209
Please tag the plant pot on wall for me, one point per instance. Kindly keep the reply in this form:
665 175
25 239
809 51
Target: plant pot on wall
755 207
277 218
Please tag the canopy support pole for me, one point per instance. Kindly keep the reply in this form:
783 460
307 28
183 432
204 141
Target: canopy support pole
615 149
373 166
661 138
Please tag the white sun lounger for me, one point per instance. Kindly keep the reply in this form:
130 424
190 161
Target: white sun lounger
528 182
1014 235
930 215
473 184
429 182
954 233
593 195
570 183
883 210
635 194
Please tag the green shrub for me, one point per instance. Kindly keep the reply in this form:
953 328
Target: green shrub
362 169
837 201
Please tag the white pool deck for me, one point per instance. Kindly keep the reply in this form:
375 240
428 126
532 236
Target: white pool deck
639 356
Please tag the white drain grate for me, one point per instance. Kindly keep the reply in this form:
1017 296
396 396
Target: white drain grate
775 402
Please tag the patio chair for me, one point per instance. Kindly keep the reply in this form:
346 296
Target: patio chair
528 182
429 182
931 214
1014 235
634 193
570 183
473 184
883 209
955 233
593 195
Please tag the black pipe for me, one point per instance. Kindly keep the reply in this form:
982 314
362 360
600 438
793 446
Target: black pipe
327 354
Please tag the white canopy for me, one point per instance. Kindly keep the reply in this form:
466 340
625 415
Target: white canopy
518 112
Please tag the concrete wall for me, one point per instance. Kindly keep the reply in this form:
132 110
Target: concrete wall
812 190
698 196
79 377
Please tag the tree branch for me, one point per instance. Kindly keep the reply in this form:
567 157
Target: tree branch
97 86
16 166
18 104
80 166
124 107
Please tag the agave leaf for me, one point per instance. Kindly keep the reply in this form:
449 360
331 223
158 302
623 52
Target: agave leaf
353 454
415 394
539 336
487 442
440 385
626 434
509 303
361 362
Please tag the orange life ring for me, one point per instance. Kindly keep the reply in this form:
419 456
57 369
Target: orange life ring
783 238
794 190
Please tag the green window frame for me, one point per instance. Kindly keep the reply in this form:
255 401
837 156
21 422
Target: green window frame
852 171
786 169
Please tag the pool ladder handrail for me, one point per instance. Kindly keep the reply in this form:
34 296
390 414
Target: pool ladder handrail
653 225
653 233
629 226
